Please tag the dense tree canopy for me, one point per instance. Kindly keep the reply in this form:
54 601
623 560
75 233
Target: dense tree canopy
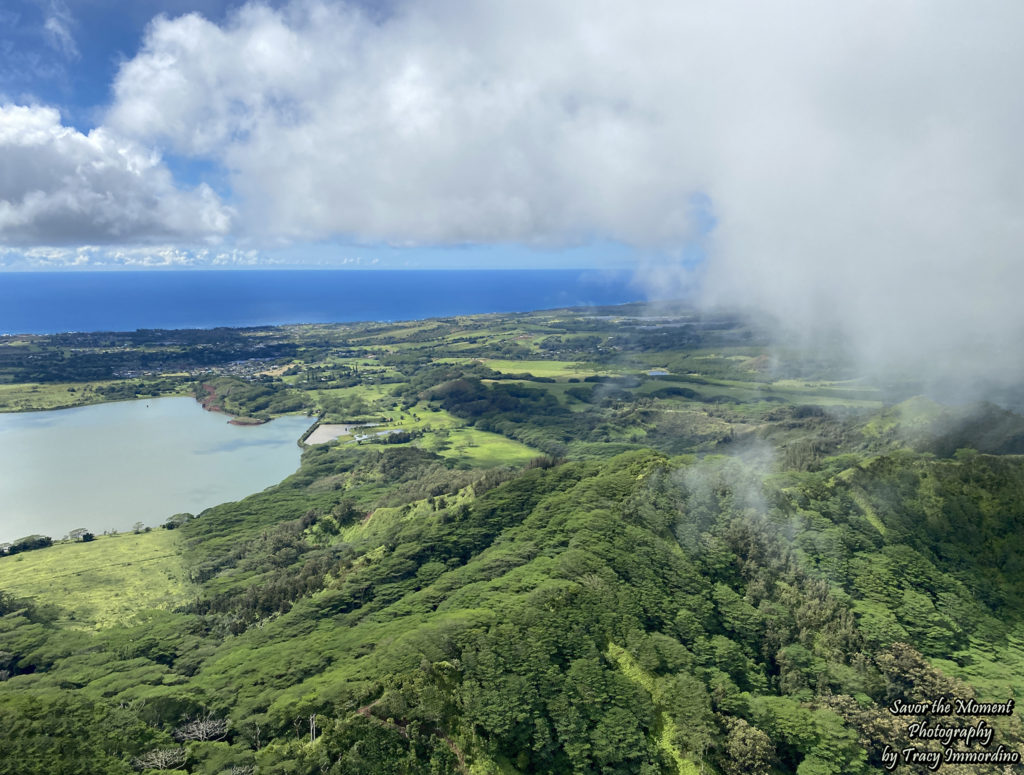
697 572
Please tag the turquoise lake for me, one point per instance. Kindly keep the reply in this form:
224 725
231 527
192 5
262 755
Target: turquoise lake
109 466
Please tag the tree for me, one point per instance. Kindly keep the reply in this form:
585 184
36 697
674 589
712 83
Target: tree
748 750
177 520
161 759
30 542
202 728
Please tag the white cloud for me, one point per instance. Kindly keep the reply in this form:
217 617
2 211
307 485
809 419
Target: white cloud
131 257
439 125
57 29
862 159
59 186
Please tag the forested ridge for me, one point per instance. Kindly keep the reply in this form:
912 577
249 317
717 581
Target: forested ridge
596 549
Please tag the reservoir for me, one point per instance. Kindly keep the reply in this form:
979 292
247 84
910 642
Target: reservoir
109 466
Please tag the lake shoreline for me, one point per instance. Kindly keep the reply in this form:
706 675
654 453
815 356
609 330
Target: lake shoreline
123 462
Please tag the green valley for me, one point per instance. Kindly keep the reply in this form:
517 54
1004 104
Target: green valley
573 541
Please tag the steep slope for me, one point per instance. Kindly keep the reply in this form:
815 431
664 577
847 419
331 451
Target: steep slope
642 614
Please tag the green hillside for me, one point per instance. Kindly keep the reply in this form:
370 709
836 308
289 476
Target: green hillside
661 553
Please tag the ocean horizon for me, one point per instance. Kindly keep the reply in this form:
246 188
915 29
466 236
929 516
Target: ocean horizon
57 302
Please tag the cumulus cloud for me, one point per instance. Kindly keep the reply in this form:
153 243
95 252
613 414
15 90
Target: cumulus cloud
59 186
128 257
861 161
441 124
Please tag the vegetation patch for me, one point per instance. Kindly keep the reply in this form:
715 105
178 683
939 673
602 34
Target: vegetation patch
568 562
103 582
537 368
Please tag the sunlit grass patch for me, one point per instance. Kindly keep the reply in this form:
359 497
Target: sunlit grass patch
439 431
369 393
481 449
538 368
34 396
101 582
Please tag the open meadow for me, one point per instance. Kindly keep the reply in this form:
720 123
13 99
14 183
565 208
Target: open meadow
104 582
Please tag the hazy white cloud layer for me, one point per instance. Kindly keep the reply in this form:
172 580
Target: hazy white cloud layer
862 160
59 186
57 28
128 257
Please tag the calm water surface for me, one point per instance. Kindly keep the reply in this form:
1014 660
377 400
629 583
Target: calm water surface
106 467
48 302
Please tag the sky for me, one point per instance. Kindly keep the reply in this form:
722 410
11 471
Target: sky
850 165
322 134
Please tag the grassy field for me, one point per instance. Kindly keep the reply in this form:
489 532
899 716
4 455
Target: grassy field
424 418
480 449
31 396
376 396
420 418
447 435
25 397
102 582
536 368
782 392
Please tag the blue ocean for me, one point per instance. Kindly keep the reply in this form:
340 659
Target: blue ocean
52 302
